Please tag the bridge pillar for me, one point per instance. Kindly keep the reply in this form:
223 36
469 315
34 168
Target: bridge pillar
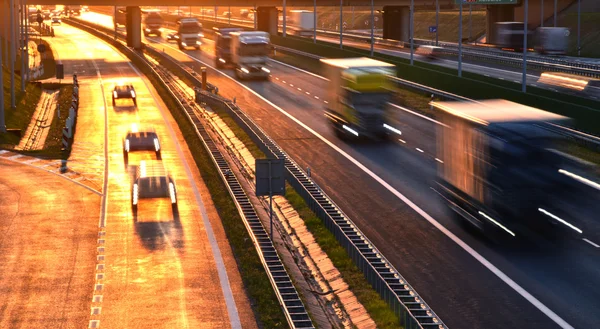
495 14
133 26
396 23
266 19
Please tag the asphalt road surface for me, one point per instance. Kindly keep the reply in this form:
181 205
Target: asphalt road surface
159 269
385 189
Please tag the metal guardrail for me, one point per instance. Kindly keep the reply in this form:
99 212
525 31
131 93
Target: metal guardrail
293 307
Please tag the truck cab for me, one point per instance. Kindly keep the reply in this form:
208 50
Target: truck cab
153 24
497 171
249 54
189 31
357 96
223 45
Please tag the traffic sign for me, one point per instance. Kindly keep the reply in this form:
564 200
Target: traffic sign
432 29
41 48
487 2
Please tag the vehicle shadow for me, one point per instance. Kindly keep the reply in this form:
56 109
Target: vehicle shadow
161 235
124 108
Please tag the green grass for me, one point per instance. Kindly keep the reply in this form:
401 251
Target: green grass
377 308
260 292
590 33
19 118
240 134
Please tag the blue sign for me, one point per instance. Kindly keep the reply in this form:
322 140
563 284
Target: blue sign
432 29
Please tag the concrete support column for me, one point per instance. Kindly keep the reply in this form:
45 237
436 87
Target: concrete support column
497 13
396 23
134 27
267 19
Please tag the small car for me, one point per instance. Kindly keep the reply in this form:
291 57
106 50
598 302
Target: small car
55 21
124 91
141 141
152 181
172 36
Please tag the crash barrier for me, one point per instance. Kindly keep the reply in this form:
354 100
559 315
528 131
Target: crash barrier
379 272
69 129
287 295
46 29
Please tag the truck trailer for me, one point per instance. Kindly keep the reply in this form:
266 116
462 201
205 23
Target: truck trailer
223 45
357 96
552 40
249 54
497 171
302 23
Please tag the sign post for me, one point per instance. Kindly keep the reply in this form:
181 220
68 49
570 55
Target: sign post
270 180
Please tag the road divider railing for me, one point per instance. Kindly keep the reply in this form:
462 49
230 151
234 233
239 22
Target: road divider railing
69 129
287 295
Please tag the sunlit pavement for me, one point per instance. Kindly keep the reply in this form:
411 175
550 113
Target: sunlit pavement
155 270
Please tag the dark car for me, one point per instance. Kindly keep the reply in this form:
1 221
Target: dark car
55 21
141 141
172 36
122 92
152 181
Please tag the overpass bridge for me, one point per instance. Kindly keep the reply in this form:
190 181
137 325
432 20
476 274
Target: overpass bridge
395 15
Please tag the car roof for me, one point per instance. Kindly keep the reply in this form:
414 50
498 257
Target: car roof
122 87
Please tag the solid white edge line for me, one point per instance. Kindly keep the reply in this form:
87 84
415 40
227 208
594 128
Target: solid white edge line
592 243
515 286
418 114
551 215
580 179
234 317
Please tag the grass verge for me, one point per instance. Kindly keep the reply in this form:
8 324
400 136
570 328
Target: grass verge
264 302
19 118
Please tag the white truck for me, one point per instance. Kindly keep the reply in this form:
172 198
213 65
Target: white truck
189 33
302 23
249 54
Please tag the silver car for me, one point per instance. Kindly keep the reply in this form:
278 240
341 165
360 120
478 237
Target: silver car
141 141
152 181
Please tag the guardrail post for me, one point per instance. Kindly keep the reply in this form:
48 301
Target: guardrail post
204 83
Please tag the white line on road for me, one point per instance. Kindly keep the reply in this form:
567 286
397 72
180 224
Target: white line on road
3 151
418 149
483 261
14 157
418 114
32 160
402 140
438 160
590 242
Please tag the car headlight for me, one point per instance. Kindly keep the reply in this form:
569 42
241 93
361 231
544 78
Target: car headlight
135 194
127 145
115 95
147 30
172 193
198 43
156 145
245 70
184 44
266 70
200 35
221 60
161 29
133 94
176 36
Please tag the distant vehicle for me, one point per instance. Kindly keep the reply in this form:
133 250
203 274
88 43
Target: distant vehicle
497 170
141 141
209 12
189 32
302 23
552 40
124 92
55 21
429 52
223 45
251 16
227 14
357 94
46 14
152 24
179 13
244 13
73 10
152 181
249 54
172 36
509 35
120 16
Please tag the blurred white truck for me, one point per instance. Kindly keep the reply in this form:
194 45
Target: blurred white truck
249 54
301 23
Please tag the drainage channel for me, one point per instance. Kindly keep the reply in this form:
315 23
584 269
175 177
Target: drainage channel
295 311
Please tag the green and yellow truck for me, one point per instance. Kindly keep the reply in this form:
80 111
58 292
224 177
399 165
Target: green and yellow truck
359 90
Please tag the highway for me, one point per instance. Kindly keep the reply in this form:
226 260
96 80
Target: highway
386 190
159 269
